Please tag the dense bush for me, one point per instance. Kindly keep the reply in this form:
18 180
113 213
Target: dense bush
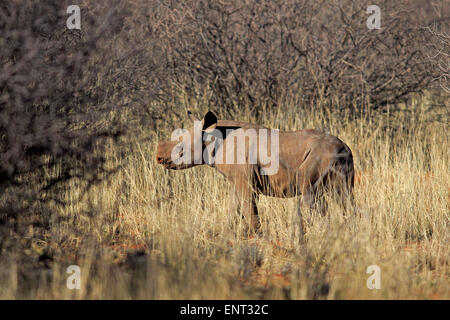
54 101
257 54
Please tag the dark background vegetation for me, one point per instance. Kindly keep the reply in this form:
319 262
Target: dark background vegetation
65 95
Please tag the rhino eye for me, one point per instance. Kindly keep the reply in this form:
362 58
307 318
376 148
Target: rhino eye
180 150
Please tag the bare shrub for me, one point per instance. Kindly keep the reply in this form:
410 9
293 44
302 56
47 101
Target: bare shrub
61 100
257 54
439 56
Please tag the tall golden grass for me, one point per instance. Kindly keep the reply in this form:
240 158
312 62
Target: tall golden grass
158 234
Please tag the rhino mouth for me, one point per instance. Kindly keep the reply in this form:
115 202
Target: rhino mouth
172 166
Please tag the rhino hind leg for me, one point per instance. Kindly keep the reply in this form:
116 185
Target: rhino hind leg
307 199
338 183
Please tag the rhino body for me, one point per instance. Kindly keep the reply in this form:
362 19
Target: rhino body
310 163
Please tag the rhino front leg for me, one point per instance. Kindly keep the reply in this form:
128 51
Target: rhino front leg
245 198
301 224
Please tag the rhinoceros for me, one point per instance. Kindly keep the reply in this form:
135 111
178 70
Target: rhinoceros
304 162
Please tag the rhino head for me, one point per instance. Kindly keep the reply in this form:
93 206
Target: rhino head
186 148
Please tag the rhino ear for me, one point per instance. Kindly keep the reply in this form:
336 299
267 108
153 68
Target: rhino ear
192 117
209 122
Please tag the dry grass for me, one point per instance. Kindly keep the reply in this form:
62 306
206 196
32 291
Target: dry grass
168 234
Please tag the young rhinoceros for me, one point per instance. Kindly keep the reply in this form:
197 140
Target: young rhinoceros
257 160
